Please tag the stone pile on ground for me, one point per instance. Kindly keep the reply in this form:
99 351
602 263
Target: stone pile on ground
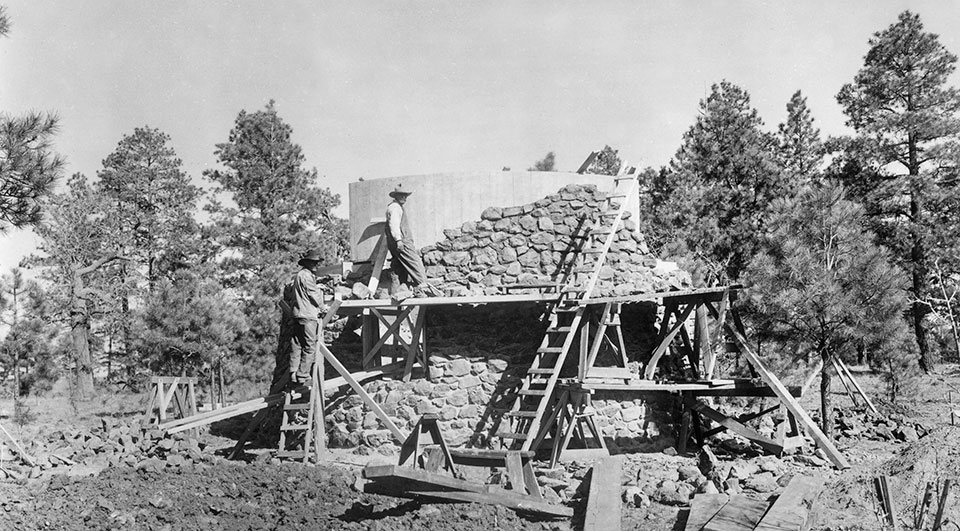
115 443
533 244
864 424
674 480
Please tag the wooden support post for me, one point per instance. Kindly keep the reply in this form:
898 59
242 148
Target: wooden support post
391 330
938 519
843 381
584 349
701 342
842 366
378 257
737 427
783 394
414 348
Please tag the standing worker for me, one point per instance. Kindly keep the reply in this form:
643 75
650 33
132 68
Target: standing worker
306 305
406 264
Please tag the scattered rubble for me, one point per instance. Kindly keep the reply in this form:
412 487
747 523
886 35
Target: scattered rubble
116 443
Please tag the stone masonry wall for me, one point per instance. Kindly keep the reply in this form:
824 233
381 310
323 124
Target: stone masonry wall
531 243
475 355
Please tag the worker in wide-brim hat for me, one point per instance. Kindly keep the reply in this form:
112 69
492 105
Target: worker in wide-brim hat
304 298
406 264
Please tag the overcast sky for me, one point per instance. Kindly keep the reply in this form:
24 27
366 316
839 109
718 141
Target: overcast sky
378 89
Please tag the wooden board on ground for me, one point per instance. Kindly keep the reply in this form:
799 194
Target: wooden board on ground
703 508
603 499
795 508
739 514
408 482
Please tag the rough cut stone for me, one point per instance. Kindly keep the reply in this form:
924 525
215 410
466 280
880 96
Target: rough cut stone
492 214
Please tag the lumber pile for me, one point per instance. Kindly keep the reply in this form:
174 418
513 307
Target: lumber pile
793 510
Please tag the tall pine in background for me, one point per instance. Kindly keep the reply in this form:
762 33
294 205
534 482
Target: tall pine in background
273 210
907 126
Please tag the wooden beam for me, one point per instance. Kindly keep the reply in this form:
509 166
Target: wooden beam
412 483
414 344
23 454
745 418
702 343
795 507
589 160
809 425
736 427
378 258
391 330
850 377
357 388
665 344
938 519
603 499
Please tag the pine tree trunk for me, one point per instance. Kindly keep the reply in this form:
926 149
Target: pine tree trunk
80 336
918 258
826 406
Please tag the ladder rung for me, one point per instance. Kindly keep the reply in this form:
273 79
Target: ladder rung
511 435
532 392
541 371
549 350
296 407
294 427
559 330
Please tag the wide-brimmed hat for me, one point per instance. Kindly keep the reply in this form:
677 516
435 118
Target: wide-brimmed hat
311 256
399 192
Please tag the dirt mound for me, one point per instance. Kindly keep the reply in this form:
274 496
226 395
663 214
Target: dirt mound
933 459
231 496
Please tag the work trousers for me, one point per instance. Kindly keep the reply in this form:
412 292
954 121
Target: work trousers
305 332
406 263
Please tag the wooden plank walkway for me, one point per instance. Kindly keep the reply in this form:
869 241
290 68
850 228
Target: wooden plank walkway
603 499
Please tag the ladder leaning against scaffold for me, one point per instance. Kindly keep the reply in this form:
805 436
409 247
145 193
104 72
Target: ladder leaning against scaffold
534 396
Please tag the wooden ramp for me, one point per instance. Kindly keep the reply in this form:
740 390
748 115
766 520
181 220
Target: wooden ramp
793 510
250 406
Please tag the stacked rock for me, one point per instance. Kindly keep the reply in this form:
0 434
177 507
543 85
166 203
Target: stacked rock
534 243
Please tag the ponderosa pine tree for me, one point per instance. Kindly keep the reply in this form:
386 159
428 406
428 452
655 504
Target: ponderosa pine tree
154 199
799 151
80 251
28 164
280 212
717 190
906 119
821 286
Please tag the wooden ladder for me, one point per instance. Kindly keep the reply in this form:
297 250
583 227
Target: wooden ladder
535 395
293 424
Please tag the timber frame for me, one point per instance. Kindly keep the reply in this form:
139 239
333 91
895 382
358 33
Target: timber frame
716 328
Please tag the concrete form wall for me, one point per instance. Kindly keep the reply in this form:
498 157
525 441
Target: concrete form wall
446 200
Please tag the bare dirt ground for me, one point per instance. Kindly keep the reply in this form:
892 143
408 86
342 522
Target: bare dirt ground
210 493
